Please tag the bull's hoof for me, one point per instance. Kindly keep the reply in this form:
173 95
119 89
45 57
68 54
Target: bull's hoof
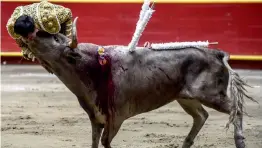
187 143
239 141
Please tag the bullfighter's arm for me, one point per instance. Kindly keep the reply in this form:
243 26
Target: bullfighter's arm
68 23
18 39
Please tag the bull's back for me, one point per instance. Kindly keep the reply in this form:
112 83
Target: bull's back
155 78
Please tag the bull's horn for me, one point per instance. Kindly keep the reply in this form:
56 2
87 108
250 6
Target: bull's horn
74 35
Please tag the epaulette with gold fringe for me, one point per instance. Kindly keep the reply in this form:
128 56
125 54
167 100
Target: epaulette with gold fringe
47 18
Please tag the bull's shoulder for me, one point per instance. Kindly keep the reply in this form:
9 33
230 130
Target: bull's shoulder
86 46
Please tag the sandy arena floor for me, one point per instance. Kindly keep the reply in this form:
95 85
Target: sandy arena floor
39 111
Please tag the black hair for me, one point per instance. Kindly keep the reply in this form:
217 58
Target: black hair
24 25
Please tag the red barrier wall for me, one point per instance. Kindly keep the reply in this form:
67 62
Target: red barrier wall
237 27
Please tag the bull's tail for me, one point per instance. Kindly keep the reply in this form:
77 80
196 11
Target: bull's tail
237 92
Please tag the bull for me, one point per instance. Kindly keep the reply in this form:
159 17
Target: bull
131 83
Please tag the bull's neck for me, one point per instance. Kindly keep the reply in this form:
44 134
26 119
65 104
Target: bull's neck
83 89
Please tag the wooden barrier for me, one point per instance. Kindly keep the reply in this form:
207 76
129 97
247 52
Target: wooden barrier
141 1
236 25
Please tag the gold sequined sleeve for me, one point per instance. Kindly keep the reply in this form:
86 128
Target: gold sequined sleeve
11 22
65 18
68 23
47 19
54 18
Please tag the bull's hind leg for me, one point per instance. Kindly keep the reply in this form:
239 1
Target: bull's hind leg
222 103
210 88
199 114
238 135
225 105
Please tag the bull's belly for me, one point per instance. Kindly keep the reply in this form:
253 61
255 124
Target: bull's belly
152 102
140 103
143 93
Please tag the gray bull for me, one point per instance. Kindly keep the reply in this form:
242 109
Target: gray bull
141 81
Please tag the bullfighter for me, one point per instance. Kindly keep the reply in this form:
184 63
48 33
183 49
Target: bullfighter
29 19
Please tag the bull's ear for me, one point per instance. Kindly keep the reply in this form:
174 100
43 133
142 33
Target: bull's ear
72 56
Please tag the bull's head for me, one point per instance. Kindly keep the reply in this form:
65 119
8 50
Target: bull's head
51 46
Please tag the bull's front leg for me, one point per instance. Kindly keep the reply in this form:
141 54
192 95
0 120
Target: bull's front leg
96 126
110 130
199 114
96 133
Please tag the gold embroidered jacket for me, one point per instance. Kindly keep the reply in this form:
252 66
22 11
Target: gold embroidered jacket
47 16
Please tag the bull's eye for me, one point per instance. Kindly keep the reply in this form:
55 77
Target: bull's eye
56 39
